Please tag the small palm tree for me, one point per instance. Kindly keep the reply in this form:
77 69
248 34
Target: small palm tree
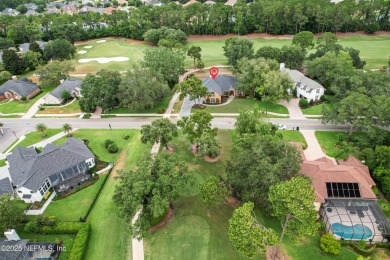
67 128
41 127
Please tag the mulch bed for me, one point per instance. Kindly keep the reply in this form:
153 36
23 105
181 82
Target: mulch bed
207 158
164 221
231 201
271 251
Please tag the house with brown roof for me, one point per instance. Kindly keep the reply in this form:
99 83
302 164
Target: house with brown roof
345 200
109 10
190 3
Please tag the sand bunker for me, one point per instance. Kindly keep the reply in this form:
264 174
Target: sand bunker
101 41
104 60
82 52
88 47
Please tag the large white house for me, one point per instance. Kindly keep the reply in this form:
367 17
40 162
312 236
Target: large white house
306 87
61 167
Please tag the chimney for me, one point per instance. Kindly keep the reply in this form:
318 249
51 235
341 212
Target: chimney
14 77
281 66
11 235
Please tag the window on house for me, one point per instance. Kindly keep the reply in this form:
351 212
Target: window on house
212 94
212 100
318 91
19 191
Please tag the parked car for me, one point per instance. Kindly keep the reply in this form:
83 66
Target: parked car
281 127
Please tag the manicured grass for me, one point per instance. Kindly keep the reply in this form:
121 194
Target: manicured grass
314 110
328 140
110 238
111 48
247 104
2 162
154 110
68 240
36 137
11 116
294 136
96 139
75 206
68 109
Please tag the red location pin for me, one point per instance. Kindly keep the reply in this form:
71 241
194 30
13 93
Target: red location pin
213 72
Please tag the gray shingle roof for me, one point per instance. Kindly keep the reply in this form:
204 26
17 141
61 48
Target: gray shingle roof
13 254
298 77
220 83
31 171
22 87
25 47
5 186
69 85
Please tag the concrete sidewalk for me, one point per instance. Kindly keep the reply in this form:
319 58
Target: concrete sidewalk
40 211
314 150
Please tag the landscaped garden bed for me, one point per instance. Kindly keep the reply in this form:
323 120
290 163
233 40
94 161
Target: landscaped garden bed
247 104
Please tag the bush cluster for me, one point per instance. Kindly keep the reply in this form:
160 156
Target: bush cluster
87 115
329 245
303 103
110 146
80 243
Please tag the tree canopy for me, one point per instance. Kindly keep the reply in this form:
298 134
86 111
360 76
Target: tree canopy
247 235
159 131
214 191
304 39
59 49
194 89
10 212
149 189
292 203
194 52
237 48
168 62
173 36
52 73
142 88
100 89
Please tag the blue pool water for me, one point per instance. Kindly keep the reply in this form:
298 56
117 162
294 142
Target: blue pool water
352 232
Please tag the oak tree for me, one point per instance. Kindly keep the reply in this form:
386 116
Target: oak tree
159 131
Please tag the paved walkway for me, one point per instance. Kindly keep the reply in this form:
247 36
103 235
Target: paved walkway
97 113
171 104
293 108
138 245
110 166
313 150
40 211
34 108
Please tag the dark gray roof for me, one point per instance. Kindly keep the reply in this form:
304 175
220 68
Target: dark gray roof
13 254
220 83
31 171
69 85
5 186
25 47
31 6
22 87
9 11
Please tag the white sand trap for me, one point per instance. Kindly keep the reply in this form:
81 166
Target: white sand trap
104 60
101 41
88 47
82 52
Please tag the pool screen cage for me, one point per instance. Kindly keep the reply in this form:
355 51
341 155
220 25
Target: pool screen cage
355 219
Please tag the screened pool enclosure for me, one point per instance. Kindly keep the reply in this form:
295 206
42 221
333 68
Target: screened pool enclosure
355 219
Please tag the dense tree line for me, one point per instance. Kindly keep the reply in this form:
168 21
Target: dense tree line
275 17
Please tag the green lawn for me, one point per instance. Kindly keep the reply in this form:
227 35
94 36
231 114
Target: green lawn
109 49
2 163
245 104
154 110
67 238
36 137
110 237
294 136
76 205
16 106
314 110
68 109
96 139
328 140
200 232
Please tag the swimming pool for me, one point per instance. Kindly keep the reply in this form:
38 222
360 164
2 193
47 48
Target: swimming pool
357 231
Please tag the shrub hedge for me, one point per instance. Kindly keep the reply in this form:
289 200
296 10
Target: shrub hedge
360 251
80 243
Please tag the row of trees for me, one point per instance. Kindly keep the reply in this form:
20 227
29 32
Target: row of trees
275 17
142 87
